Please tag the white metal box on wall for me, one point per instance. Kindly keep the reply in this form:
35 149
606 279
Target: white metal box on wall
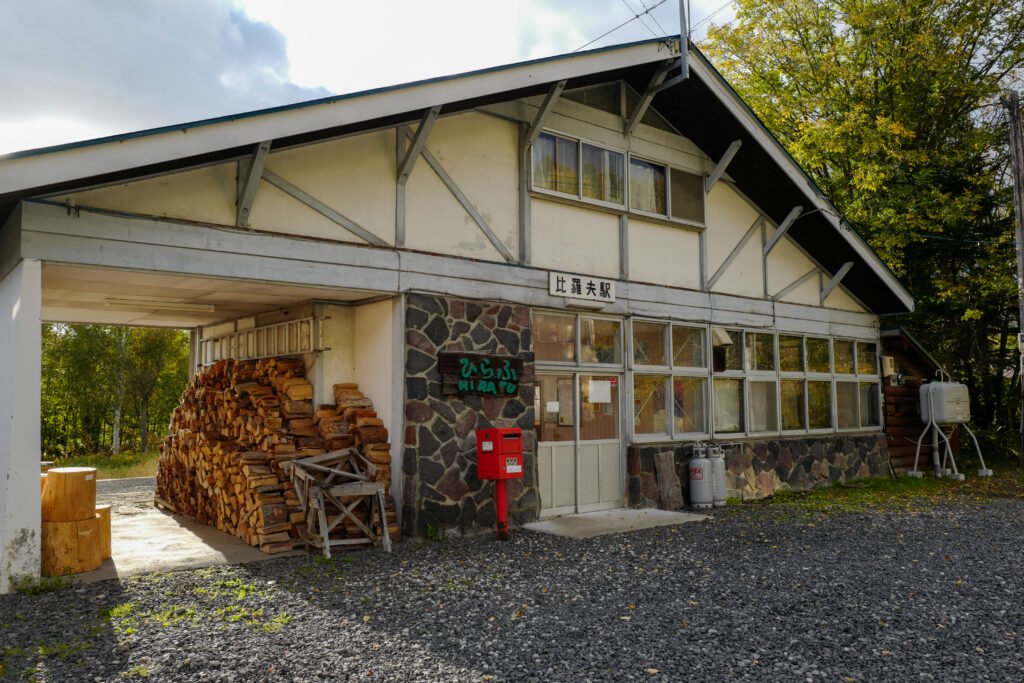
950 400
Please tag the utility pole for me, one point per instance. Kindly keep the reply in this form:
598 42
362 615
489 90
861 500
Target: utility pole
1012 104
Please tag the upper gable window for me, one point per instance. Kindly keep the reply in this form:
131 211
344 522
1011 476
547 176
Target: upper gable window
556 164
578 169
594 174
606 97
665 191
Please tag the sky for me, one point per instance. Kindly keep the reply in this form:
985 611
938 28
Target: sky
79 69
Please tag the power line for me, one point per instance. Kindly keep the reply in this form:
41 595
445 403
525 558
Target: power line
641 21
655 19
632 19
712 15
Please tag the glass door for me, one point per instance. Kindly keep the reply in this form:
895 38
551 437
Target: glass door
555 418
599 475
578 449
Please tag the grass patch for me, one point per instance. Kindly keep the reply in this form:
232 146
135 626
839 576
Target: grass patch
122 466
897 495
31 587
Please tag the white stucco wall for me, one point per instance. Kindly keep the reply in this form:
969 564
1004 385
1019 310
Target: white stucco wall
20 381
843 301
663 254
379 371
480 154
355 176
206 195
729 217
786 265
335 364
575 240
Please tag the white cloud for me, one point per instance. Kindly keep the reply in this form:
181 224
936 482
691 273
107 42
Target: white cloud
76 69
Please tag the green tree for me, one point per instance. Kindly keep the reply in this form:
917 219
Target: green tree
101 385
154 355
890 106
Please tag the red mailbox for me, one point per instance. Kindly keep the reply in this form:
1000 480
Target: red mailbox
499 453
499 456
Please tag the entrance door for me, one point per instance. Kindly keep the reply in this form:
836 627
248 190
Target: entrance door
578 450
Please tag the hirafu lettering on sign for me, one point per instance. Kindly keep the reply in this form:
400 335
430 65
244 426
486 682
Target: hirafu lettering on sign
581 287
475 373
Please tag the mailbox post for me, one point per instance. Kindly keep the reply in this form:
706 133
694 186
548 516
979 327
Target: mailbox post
499 456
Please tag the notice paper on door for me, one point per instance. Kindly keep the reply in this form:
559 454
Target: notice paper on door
552 407
600 391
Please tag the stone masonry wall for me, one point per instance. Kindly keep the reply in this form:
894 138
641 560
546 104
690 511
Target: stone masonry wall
441 490
755 469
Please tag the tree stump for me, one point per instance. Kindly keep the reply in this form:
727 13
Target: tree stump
69 494
668 481
71 547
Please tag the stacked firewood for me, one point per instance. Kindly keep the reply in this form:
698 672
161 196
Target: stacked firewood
368 434
222 461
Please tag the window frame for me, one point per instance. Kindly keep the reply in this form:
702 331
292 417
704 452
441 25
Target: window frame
667 216
577 363
625 206
707 374
669 372
578 197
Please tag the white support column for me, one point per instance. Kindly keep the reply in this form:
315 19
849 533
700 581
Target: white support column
20 380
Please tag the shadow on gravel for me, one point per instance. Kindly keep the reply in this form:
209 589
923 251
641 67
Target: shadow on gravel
59 635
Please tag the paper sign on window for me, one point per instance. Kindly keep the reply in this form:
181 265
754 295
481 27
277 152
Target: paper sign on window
600 391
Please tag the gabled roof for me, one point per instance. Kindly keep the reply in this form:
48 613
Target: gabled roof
703 108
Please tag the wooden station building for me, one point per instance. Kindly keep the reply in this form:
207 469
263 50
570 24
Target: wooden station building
630 237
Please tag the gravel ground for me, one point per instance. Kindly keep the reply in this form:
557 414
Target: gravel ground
122 486
759 593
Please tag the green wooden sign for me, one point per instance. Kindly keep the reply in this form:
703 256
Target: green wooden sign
481 374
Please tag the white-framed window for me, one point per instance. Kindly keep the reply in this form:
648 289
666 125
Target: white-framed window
665 191
561 338
728 381
579 169
736 382
670 383
574 168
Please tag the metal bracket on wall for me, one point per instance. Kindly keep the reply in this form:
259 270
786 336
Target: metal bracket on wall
720 167
550 100
834 282
645 100
787 222
249 174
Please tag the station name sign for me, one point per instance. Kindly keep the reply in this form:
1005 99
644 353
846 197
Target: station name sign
481 374
581 287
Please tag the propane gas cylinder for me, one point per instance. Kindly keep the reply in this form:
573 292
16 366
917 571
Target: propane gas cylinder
717 459
700 483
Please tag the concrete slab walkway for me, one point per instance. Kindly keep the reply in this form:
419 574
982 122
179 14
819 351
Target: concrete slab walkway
144 538
590 524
